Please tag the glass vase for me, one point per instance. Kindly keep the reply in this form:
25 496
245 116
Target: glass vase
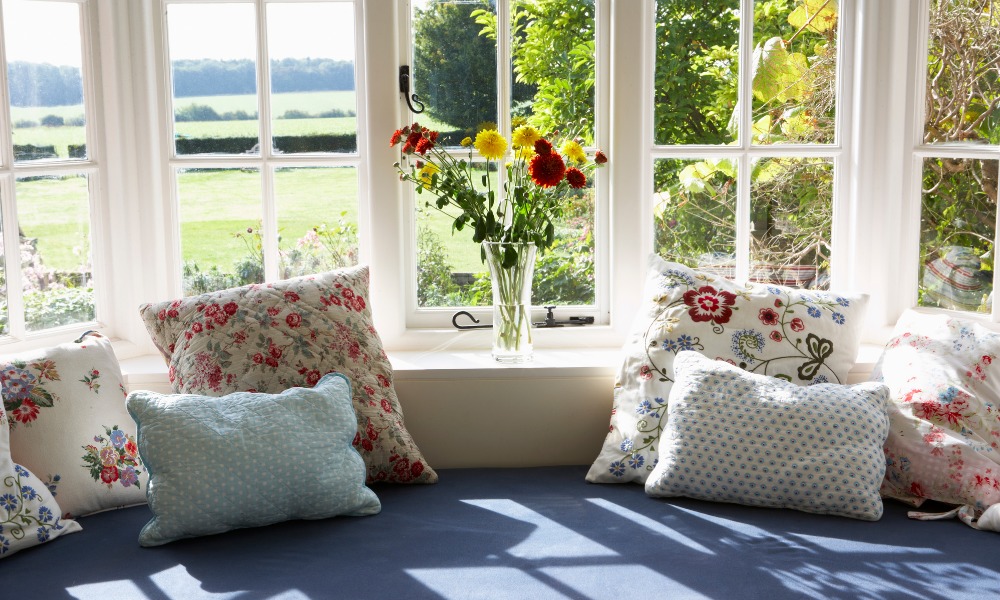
512 266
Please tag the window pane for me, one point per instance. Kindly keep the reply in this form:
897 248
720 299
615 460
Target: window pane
42 41
791 220
214 77
957 229
695 86
795 72
450 272
695 213
313 106
553 67
317 219
963 73
449 269
220 218
454 67
54 218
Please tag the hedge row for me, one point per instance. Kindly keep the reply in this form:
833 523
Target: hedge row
345 142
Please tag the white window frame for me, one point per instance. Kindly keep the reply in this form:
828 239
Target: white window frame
267 161
134 220
918 42
437 320
18 337
744 152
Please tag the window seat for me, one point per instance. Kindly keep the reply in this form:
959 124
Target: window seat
465 410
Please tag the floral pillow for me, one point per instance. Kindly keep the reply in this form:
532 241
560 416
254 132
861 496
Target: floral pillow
802 336
944 380
734 436
68 424
29 515
270 337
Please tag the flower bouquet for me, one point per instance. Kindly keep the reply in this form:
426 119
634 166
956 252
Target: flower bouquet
510 223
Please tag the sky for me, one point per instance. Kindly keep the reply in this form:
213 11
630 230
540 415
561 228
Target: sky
299 30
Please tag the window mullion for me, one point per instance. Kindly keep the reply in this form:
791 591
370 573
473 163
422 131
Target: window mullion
745 95
269 221
12 260
504 61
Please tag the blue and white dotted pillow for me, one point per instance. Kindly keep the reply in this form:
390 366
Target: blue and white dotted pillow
249 459
734 436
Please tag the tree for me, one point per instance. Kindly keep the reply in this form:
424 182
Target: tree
454 68
553 56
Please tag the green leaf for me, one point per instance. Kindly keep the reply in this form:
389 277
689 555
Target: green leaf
691 179
509 257
779 75
823 15
42 397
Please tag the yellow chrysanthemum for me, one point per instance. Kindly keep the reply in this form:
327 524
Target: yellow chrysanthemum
427 173
574 152
524 153
491 144
466 142
525 137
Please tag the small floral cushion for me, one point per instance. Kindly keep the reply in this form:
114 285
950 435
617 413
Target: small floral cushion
801 336
944 443
270 337
29 515
69 426
734 436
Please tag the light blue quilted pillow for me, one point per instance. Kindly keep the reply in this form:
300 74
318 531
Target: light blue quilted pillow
248 459
734 436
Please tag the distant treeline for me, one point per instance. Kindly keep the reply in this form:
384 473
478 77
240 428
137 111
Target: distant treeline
33 84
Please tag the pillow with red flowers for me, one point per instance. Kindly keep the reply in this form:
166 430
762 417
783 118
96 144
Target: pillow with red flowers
270 337
943 374
69 426
802 336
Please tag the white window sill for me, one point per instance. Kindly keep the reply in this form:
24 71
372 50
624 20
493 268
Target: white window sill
150 370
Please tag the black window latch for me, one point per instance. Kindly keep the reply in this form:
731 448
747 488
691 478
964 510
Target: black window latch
550 320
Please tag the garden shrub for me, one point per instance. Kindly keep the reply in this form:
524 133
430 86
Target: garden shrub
54 307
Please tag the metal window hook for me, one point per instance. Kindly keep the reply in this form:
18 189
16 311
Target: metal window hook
454 321
404 88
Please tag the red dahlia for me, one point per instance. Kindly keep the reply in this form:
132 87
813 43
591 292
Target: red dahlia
424 145
542 147
546 170
576 178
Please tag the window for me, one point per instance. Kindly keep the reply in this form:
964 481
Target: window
546 78
747 137
169 155
48 173
265 145
956 154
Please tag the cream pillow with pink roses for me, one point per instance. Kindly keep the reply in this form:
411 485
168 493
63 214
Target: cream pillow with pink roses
271 337
943 376
802 336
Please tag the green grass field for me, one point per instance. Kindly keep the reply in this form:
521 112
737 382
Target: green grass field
217 204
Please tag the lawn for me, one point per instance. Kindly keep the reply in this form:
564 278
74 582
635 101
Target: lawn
217 204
